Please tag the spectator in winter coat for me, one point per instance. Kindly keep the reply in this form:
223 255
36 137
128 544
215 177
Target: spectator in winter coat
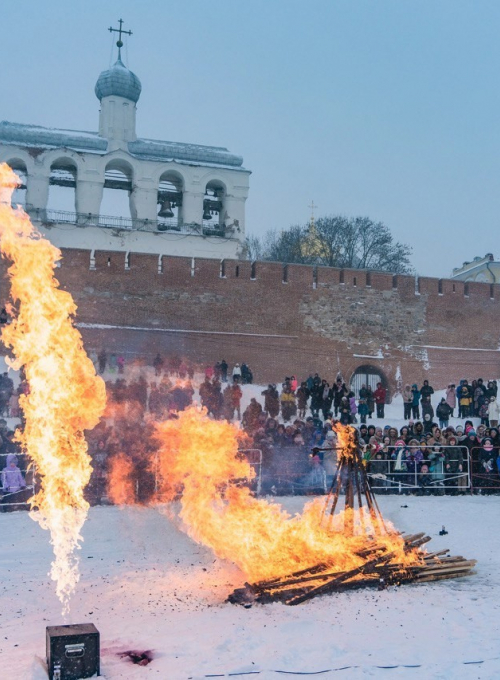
236 395
326 405
443 412
237 372
370 401
363 392
428 424
345 411
353 406
424 480
271 401
363 411
407 402
427 407
454 465
380 395
363 433
437 458
303 395
479 396
288 405
488 461
415 412
330 458
102 360
393 435
493 412
223 370
250 421
417 430
483 412
426 390
451 398
339 391
491 389
464 401
414 458
12 478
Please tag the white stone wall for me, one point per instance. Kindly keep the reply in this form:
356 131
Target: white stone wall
145 175
161 243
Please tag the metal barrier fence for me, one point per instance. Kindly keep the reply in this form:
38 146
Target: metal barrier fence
438 472
17 499
288 476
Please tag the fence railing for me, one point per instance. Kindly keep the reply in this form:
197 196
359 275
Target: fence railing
13 497
173 225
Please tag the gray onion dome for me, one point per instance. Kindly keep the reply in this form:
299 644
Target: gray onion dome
118 81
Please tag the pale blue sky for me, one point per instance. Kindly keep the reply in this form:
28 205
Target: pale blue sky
386 108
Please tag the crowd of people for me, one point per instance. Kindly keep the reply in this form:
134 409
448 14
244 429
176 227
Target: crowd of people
293 427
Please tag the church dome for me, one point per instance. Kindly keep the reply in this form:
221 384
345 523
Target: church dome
119 81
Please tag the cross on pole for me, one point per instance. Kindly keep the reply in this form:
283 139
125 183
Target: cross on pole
312 206
119 42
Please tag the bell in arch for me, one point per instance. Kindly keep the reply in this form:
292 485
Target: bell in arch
166 210
207 215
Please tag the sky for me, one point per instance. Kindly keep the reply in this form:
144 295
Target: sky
386 108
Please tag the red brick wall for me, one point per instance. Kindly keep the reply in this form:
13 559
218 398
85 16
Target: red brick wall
330 319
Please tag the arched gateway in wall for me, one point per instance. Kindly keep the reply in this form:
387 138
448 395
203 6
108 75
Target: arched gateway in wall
368 375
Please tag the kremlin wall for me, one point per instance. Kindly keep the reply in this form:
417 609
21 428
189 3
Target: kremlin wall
284 320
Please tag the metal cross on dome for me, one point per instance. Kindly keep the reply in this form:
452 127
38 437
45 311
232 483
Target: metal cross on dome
312 206
119 42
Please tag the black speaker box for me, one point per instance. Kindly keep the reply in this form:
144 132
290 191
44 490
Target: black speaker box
73 651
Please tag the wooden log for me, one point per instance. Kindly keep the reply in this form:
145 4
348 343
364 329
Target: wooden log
428 556
330 585
309 570
445 576
460 566
417 543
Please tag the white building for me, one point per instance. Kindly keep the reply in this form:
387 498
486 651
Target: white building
180 199
484 269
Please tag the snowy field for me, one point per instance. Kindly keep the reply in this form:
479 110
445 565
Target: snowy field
147 586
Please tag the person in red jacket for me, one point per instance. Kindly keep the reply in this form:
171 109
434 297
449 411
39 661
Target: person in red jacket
380 395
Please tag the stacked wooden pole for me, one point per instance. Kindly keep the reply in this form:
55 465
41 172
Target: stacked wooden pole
377 566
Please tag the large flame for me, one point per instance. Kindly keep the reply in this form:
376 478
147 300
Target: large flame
198 461
65 396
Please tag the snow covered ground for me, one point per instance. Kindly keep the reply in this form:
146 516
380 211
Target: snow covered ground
147 586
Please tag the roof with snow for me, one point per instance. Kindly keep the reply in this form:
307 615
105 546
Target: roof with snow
35 136
118 81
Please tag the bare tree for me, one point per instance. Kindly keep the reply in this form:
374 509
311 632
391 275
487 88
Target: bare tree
338 241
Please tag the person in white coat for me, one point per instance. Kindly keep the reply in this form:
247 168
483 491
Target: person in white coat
493 412
237 373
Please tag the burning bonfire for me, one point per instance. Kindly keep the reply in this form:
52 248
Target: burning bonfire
288 559
65 395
